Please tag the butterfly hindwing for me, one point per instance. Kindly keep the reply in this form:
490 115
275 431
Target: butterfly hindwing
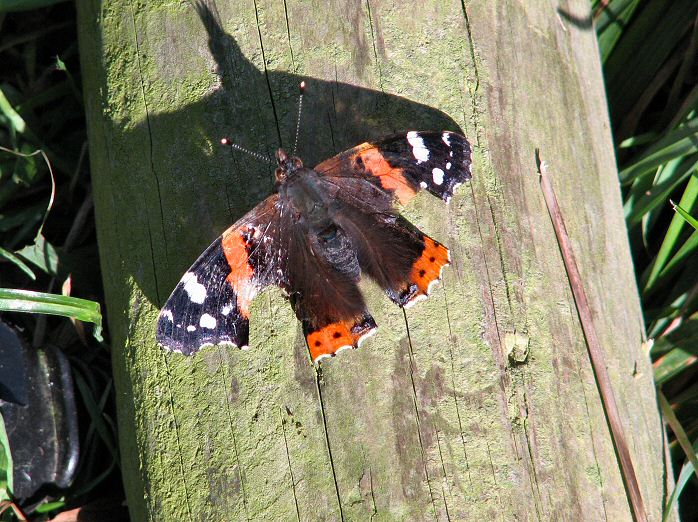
403 164
210 305
405 262
323 275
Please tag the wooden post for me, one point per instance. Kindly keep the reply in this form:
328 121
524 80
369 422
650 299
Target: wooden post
478 404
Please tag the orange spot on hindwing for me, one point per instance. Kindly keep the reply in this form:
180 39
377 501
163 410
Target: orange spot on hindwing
426 270
328 340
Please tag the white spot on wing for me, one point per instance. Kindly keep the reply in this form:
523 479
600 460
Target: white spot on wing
227 309
167 314
448 165
207 321
191 328
438 175
419 150
423 184
446 138
196 291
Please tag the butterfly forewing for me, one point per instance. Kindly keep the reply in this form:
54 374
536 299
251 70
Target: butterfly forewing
210 305
404 164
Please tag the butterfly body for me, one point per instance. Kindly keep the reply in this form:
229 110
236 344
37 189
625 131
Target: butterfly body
315 237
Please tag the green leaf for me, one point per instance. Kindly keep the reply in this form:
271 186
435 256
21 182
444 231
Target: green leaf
17 124
668 178
687 471
639 140
677 428
6 478
12 300
671 239
676 143
652 35
26 168
50 506
672 364
686 216
678 260
611 23
18 262
42 254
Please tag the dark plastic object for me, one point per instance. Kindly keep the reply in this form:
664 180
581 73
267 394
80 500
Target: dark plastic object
37 403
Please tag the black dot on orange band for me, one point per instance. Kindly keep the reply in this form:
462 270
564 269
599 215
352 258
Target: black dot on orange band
337 335
317 343
422 272
432 259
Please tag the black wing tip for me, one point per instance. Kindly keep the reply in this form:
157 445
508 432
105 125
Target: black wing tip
465 172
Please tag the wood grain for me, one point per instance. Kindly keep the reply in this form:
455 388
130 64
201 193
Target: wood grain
476 404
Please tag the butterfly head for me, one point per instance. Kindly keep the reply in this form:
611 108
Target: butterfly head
287 165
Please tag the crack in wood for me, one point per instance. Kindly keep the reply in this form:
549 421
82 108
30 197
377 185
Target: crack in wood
266 73
288 36
290 468
443 469
232 433
451 342
177 438
318 378
532 476
473 92
152 167
373 495
591 436
375 49
422 452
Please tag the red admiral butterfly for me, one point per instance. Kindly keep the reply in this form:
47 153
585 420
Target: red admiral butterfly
314 237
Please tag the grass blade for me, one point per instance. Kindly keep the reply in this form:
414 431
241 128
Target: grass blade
687 471
686 216
676 427
12 300
18 262
671 238
676 143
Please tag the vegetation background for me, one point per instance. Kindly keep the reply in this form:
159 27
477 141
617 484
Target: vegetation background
648 49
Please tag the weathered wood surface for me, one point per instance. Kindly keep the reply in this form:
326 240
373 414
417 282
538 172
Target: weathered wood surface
480 403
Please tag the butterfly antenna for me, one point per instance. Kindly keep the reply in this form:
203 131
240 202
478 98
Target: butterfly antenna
298 122
226 141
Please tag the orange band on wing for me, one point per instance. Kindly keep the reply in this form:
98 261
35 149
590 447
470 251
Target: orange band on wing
329 339
391 178
426 270
235 250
